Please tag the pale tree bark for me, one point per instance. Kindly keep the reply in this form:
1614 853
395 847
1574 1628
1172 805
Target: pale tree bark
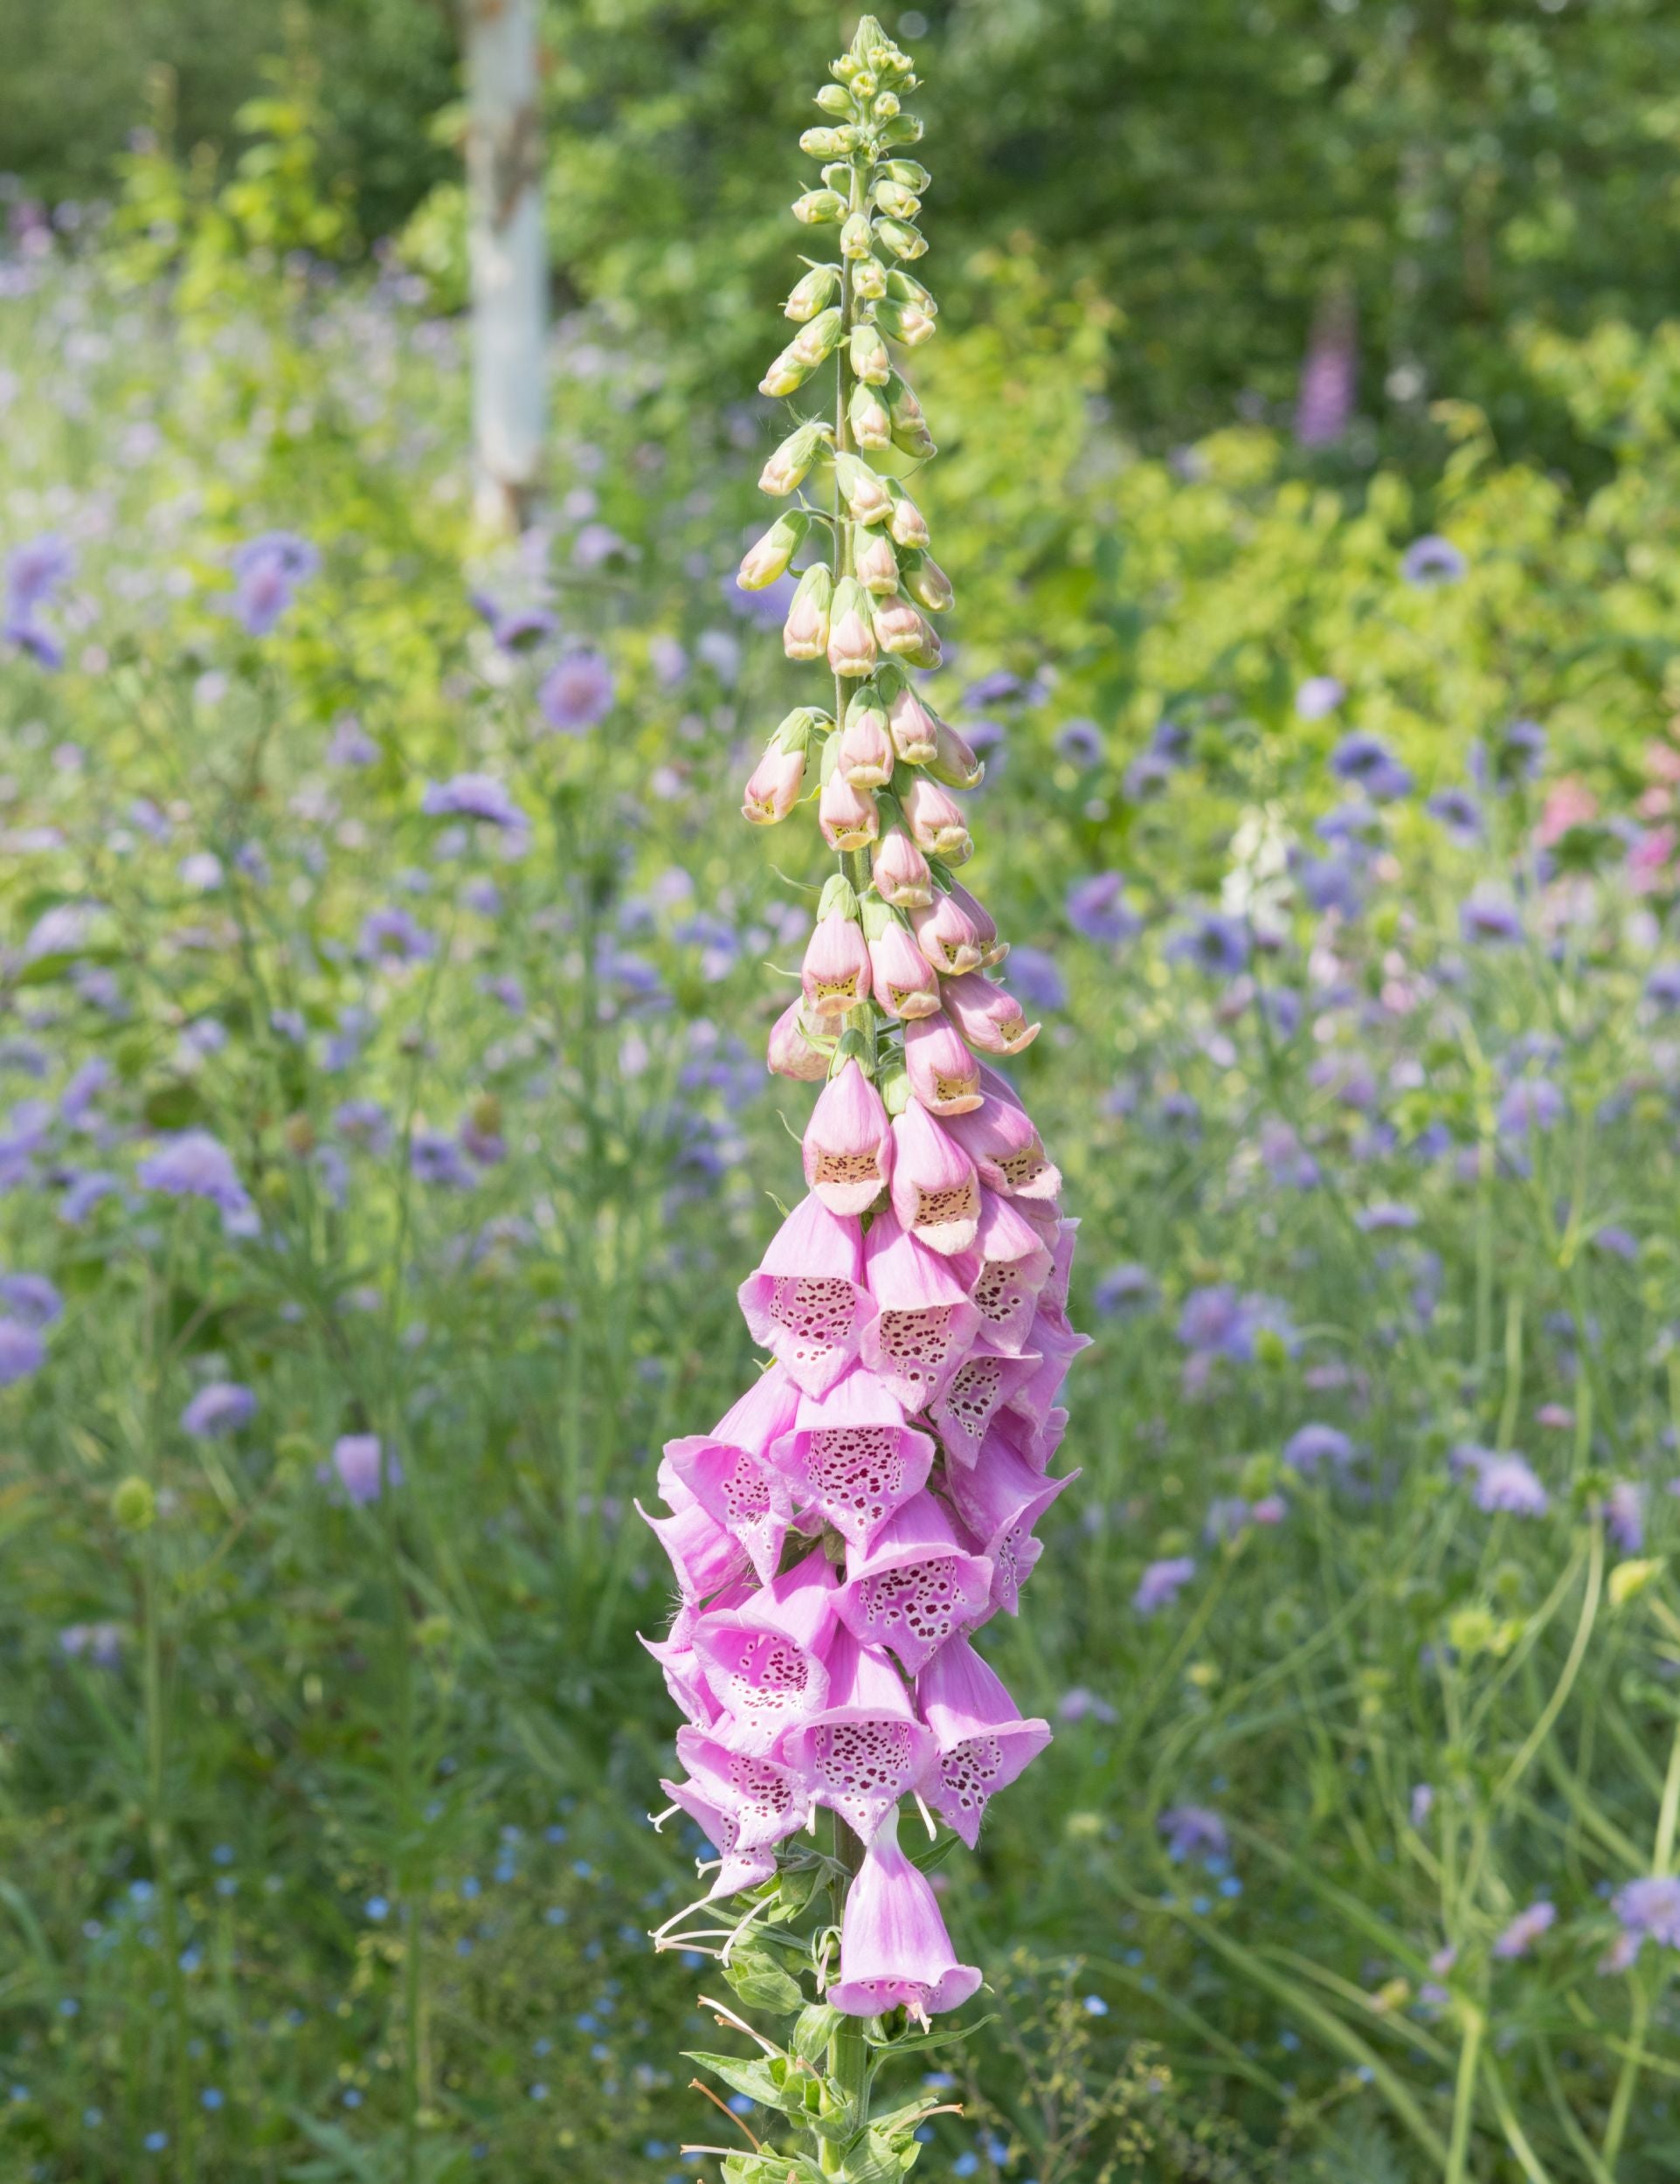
507 253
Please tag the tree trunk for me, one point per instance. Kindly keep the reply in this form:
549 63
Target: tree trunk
507 254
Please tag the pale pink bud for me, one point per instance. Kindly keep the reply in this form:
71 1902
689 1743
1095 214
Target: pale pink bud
847 815
981 918
936 1190
900 628
865 495
835 973
907 524
877 564
948 937
805 634
915 733
936 823
851 641
988 1016
956 761
904 981
901 872
848 1144
927 585
770 556
816 341
789 465
869 417
1001 1141
865 755
791 1054
784 375
944 1074
773 786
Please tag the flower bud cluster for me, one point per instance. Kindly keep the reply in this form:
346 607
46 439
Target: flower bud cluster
871 1501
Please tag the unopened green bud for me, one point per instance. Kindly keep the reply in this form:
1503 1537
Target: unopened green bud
868 415
926 583
837 899
134 1505
868 279
907 322
869 359
909 173
855 237
911 433
885 108
834 98
799 728
785 374
817 340
826 143
901 241
863 83
904 287
770 557
866 497
895 201
907 523
821 208
903 128
810 294
838 176
788 468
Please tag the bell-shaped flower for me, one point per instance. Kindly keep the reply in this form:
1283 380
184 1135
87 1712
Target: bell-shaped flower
727 1473
1006 1271
847 815
684 1671
915 1585
1054 1295
915 730
852 1458
870 419
705 1555
895 1952
1000 1499
900 628
936 823
834 976
866 1747
901 871
766 1661
876 564
805 633
865 755
982 1742
807 1304
865 493
1001 1140
738 1867
768 557
790 1053
925 1321
904 981
943 1074
983 1384
988 1015
948 937
985 924
1054 1346
848 1143
787 468
907 523
767 1800
935 1192
774 785
851 640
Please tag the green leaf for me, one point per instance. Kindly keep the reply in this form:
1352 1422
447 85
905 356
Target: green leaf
914 2041
760 1983
875 2159
814 2031
754 2077
772 2169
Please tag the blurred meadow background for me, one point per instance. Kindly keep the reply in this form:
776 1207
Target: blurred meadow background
379 1154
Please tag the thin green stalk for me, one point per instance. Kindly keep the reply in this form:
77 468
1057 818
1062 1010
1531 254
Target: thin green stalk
1470 2053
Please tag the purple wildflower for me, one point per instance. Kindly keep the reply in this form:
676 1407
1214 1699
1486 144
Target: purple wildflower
1097 908
351 744
1036 980
1532 1103
1081 742
1662 986
1123 1289
1315 1444
515 629
1216 944
391 936
1194 1831
1517 753
31 1299
1650 1909
266 571
364 1123
102 1643
1324 403
1161 1584
22 1350
1489 915
1367 760
356 1463
34 572
433 1156
1525 1930
220 1407
1319 696
1624 1516
577 693
1375 1220
194 1165
1331 883
1423 1803
1458 812
1432 560
478 796
1505 1484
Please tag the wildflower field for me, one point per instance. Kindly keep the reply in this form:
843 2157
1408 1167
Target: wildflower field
388 975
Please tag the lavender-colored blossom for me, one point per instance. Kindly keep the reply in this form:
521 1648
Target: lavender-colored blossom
1624 1515
1375 1220
1662 986
1650 1909
1318 697
1431 561
1310 1447
1161 1584
1079 742
1489 916
478 796
1506 1482
1037 980
435 1156
1366 760
102 1643
1458 812
1218 946
266 571
1194 1831
1123 1289
1531 1104
1525 1930
1331 883
82 1193
1516 752
1615 1242
219 1408
1324 403
194 1165
1218 1321
1355 823
22 1350
392 936
1077 1704
1423 1804
515 629
356 1464
35 571
31 1299
1000 687
351 745
1097 908
1146 776
577 693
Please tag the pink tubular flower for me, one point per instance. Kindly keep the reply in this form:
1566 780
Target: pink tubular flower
704 1553
901 872
766 1660
864 752
895 1951
766 1801
851 1458
988 1015
773 786
936 823
1000 1499
865 1748
914 731
924 1320
1001 1141
944 1074
935 1192
901 979
851 638
1008 1266
948 937
848 1143
726 1473
807 1304
789 1053
982 1742
915 1585
985 1382
846 814
835 973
